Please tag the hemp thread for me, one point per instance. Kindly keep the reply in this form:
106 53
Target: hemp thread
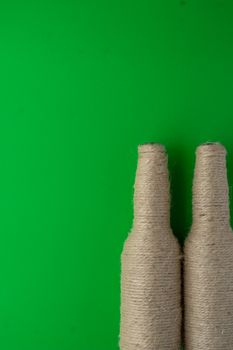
150 262
208 256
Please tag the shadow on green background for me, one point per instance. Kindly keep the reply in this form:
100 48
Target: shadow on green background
82 84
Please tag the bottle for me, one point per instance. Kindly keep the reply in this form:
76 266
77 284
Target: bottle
208 256
150 261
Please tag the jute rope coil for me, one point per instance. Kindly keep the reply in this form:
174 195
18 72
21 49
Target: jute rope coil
150 273
208 254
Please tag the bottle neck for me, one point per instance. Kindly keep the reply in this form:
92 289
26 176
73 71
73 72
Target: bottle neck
210 186
151 189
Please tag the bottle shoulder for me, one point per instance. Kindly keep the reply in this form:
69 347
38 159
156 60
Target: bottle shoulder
158 238
202 235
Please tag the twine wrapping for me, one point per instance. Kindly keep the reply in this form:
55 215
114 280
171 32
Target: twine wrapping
208 253
150 261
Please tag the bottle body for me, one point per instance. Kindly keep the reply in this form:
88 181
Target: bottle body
150 263
208 283
150 291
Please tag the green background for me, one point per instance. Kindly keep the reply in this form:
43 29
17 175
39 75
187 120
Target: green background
82 83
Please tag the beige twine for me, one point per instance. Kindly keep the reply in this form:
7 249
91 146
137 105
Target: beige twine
150 276
208 268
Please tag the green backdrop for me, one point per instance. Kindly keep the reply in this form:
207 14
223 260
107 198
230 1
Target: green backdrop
82 84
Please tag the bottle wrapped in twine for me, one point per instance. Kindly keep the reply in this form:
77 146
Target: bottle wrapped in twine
150 272
208 254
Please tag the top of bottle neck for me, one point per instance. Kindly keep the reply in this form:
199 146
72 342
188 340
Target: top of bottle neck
210 186
151 189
